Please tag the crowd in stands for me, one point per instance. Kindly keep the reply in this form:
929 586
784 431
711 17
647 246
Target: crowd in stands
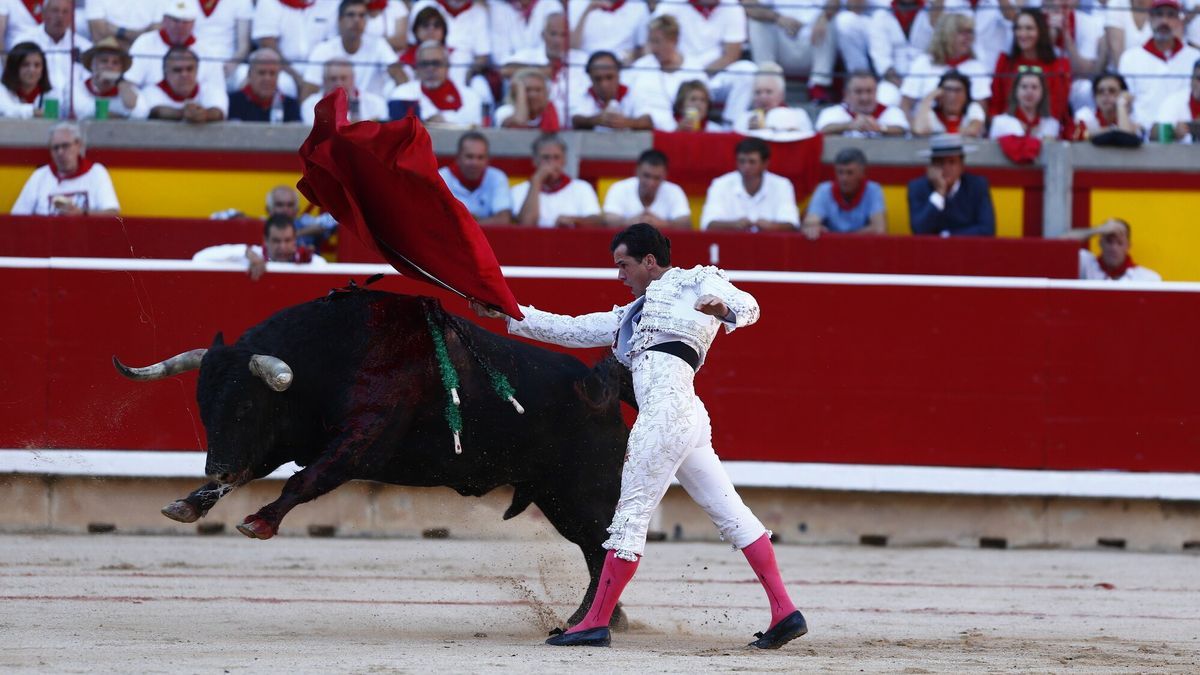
980 68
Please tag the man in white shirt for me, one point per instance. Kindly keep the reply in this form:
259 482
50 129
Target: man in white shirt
648 197
654 79
439 100
517 25
899 34
122 19
713 32
1160 67
1114 262
180 96
71 184
104 65
608 104
279 246
481 188
551 198
363 105
468 31
178 25
797 36
55 38
17 17
370 55
861 115
769 115
751 199
618 26
223 27
562 66
293 29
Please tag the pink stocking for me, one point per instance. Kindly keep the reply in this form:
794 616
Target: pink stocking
616 574
761 556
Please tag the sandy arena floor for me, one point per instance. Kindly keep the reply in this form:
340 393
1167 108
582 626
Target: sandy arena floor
194 604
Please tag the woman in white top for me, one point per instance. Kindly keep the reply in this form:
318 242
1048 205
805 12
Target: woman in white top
949 109
950 49
1028 110
1112 110
26 82
690 112
1126 25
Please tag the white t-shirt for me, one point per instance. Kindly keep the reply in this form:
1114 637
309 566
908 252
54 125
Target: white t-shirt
1152 81
565 90
576 199
128 14
93 191
470 112
236 253
1120 16
1177 108
155 95
974 112
58 54
804 12
218 32
85 100
469 32
728 200
370 62
11 106
1008 125
654 89
299 31
704 39
511 33
669 203
370 107
19 21
924 74
619 32
588 105
794 122
147 69
383 24
890 48
1090 269
840 114
1089 32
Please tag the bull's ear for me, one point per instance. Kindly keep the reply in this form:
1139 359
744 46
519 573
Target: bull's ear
218 339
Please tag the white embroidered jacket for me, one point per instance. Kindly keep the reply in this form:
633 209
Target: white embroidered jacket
667 312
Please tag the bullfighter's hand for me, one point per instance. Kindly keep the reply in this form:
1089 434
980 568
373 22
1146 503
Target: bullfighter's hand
712 306
486 312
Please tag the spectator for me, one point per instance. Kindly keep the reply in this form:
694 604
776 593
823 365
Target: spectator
124 20
655 78
795 35
179 96
58 41
614 26
1079 37
607 103
17 18
71 184
1113 109
852 28
563 67
26 82
949 109
531 107
106 62
370 55
948 201
1028 110
1114 262
899 36
691 111
750 199
1032 50
550 198
312 230
1126 26
178 30
481 188
769 115
517 25
223 27
848 204
429 24
1157 69
712 32
468 33
950 49
648 197
293 29
993 23
1182 109
260 100
438 99
362 105
861 114
278 246
388 19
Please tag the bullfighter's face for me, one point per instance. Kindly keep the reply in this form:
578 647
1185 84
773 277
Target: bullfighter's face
634 273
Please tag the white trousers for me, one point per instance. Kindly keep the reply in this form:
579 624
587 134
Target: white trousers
672 438
797 54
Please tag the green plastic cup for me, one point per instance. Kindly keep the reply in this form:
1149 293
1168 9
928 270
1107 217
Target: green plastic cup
1166 133
101 108
50 108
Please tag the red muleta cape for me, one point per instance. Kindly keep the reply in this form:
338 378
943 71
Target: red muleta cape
381 182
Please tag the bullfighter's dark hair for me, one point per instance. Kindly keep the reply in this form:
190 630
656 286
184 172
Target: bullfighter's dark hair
748 145
16 58
653 158
279 222
644 239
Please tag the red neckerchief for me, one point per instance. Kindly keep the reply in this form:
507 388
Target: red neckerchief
556 66
471 185
91 86
954 63
167 41
302 255
162 84
879 109
906 17
445 97
621 91
1103 121
264 103
208 6
35 9
705 12
1194 106
409 56
32 96
298 4
974 5
855 199
527 11
452 11
1118 271
1029 124
1069 28
377 5
1153 49
549 188
952 124
614 6
549 120
85 165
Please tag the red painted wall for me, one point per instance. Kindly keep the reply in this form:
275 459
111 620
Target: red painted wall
980 377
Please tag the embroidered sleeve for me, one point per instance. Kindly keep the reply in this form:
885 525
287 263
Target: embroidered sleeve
587 330
742 304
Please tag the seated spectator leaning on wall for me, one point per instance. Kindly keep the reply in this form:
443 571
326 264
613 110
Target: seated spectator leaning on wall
26 81
59 43
481 188
750 199
438 99
1182 109
1114 262
648 197
531 107
312 230
71 184
106 62
1113 109
260 100
179 96
848 204
1158 69
861 114
948 201
769 115
279 246
949 109
607 104
551 198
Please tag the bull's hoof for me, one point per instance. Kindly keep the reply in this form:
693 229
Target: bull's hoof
256 528
182 511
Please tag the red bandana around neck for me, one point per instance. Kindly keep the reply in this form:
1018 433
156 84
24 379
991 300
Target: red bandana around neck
1153 49
175 97
854 200
1030 123
614 6
167 40
1118 271
409 56
35 9
377 5
526 12
600 105
32 96
1068 28
954 63
445 96
108 93
298 4
471 185
264 103
1103 120
455 11
907 17
208 6
549 121
705 12
879 110
1194 106
85 165
952 122
549 188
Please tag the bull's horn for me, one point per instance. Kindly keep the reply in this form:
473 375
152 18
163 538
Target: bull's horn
180 363
273 371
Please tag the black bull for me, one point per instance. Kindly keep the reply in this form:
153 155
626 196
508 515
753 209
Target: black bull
349 387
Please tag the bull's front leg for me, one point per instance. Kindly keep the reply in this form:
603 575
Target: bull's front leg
323 475
194 506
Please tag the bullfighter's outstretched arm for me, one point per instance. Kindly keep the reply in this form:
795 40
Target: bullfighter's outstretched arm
586 330
741 304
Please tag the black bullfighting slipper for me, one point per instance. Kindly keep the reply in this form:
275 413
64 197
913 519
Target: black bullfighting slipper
789 628
592 637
